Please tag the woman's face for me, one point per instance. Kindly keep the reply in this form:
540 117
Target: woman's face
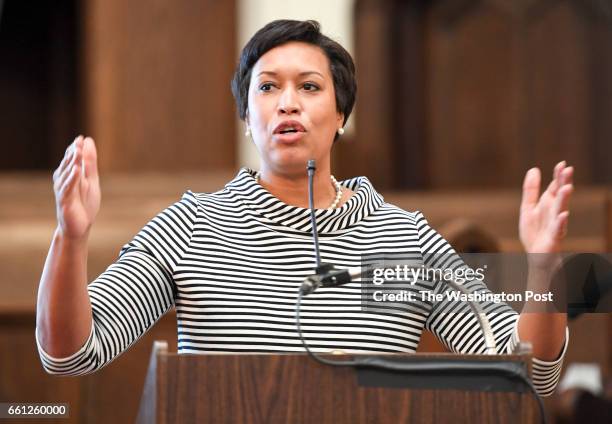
292 108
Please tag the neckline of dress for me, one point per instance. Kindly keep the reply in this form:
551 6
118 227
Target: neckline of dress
361 204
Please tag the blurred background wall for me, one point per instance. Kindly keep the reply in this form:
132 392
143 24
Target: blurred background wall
457 99
492 86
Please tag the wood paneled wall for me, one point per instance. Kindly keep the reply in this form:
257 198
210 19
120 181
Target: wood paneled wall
39 77
149 80
112 394
466 93
157 83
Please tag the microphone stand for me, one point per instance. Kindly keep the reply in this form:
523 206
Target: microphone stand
327 276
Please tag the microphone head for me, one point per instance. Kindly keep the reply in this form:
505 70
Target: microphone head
312 165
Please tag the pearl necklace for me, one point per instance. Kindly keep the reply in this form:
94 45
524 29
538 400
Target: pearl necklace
335 183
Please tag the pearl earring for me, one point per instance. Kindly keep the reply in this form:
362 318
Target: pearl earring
247 133
340 131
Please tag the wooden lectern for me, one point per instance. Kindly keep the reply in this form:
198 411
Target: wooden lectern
293 388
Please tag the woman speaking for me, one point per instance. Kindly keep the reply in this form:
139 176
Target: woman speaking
231 261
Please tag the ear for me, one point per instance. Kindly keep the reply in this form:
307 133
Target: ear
340 120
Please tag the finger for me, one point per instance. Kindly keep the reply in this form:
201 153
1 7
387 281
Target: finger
563 198
556 183
76 160
63 165
67 189
61 177
90 158
562 223
558 168
66 159
531 189
567 175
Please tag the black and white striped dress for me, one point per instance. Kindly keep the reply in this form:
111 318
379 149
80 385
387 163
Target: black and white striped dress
231 263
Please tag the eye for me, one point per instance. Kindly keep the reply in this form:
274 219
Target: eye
308 86
266 86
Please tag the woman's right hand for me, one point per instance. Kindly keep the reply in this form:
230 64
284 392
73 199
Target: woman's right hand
77 189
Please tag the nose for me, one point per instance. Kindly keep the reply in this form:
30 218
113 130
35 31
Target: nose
288 102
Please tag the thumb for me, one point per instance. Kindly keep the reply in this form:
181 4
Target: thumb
90 159
531 189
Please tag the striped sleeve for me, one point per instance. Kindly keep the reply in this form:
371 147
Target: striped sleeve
545 374
456 326
132 293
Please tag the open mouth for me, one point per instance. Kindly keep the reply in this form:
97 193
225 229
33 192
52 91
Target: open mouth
289 127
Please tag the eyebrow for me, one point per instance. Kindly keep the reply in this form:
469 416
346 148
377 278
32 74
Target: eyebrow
300 74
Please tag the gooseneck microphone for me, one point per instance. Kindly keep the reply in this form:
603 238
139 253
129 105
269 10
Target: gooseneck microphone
325 274
331 277
311 168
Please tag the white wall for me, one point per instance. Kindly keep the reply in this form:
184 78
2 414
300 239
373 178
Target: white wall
335 17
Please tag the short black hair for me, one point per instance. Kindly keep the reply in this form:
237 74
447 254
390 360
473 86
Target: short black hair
283 31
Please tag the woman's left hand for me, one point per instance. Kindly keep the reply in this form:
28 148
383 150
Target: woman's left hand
543 219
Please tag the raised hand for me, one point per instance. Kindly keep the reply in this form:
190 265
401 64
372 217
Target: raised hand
544 219
77 189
